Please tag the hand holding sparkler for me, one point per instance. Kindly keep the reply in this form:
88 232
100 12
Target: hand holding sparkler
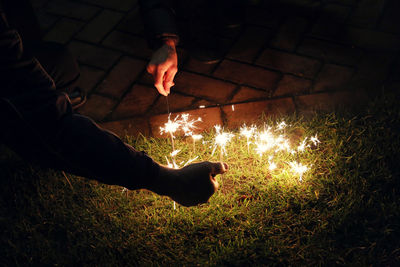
190 185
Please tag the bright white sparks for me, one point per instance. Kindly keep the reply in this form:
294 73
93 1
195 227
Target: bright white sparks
298 169
221 139
270 141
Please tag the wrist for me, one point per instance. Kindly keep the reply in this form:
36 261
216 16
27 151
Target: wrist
170 42
165 181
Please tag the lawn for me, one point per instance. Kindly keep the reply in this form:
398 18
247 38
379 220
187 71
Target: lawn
344 210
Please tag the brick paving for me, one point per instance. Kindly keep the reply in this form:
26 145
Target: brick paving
288 56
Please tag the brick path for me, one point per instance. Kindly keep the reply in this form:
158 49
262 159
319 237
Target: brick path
289 56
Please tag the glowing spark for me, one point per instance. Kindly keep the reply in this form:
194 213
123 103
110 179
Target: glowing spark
197 137
248 133
315 140
282 125
265 141
221 139
202 106
233 107
175 152
303 145
171 126
272 166
190 161
298 168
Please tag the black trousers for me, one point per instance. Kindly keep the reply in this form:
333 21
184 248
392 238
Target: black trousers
38 123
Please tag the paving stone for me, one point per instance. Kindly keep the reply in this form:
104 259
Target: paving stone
333 77
122 76
100 26
201 103
198 66
250 43
247 74
71 9
289 63
89 77
176 102
372 70
330 101
210 117
128 43
330 52
148 80
335 12
120 5
94 55
251 112
97 107
38 3
132 23
246 94
290 33
136 102
292 85
203 87
262 17
391 20
63 30
330 22
367 13
371 39
45 20
131 127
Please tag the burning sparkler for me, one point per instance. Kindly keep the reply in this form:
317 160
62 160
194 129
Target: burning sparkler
269 140
247 132
221 139
298 169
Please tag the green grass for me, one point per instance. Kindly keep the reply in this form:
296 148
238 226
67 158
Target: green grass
345 211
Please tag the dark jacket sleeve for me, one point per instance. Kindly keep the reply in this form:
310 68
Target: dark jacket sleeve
19 72
159 20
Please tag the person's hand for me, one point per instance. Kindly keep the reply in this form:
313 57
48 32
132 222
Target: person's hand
191 185
163 66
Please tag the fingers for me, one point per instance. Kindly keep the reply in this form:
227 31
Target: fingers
158 81
169 79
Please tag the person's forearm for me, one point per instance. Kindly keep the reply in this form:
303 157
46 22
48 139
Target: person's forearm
159 21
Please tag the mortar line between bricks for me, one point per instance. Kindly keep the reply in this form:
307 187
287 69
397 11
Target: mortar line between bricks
111 49
76 33
107 119
104 8
80 30
237 37
228 81
119 100
266 45
115 28
106 73
68 17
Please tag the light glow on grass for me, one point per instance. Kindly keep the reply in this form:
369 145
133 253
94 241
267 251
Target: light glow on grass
271 141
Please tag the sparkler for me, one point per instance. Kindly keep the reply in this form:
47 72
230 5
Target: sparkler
195 138
221 139
247 132
269 140
298 169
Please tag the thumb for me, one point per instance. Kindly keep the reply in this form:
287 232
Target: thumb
151 68
218 168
